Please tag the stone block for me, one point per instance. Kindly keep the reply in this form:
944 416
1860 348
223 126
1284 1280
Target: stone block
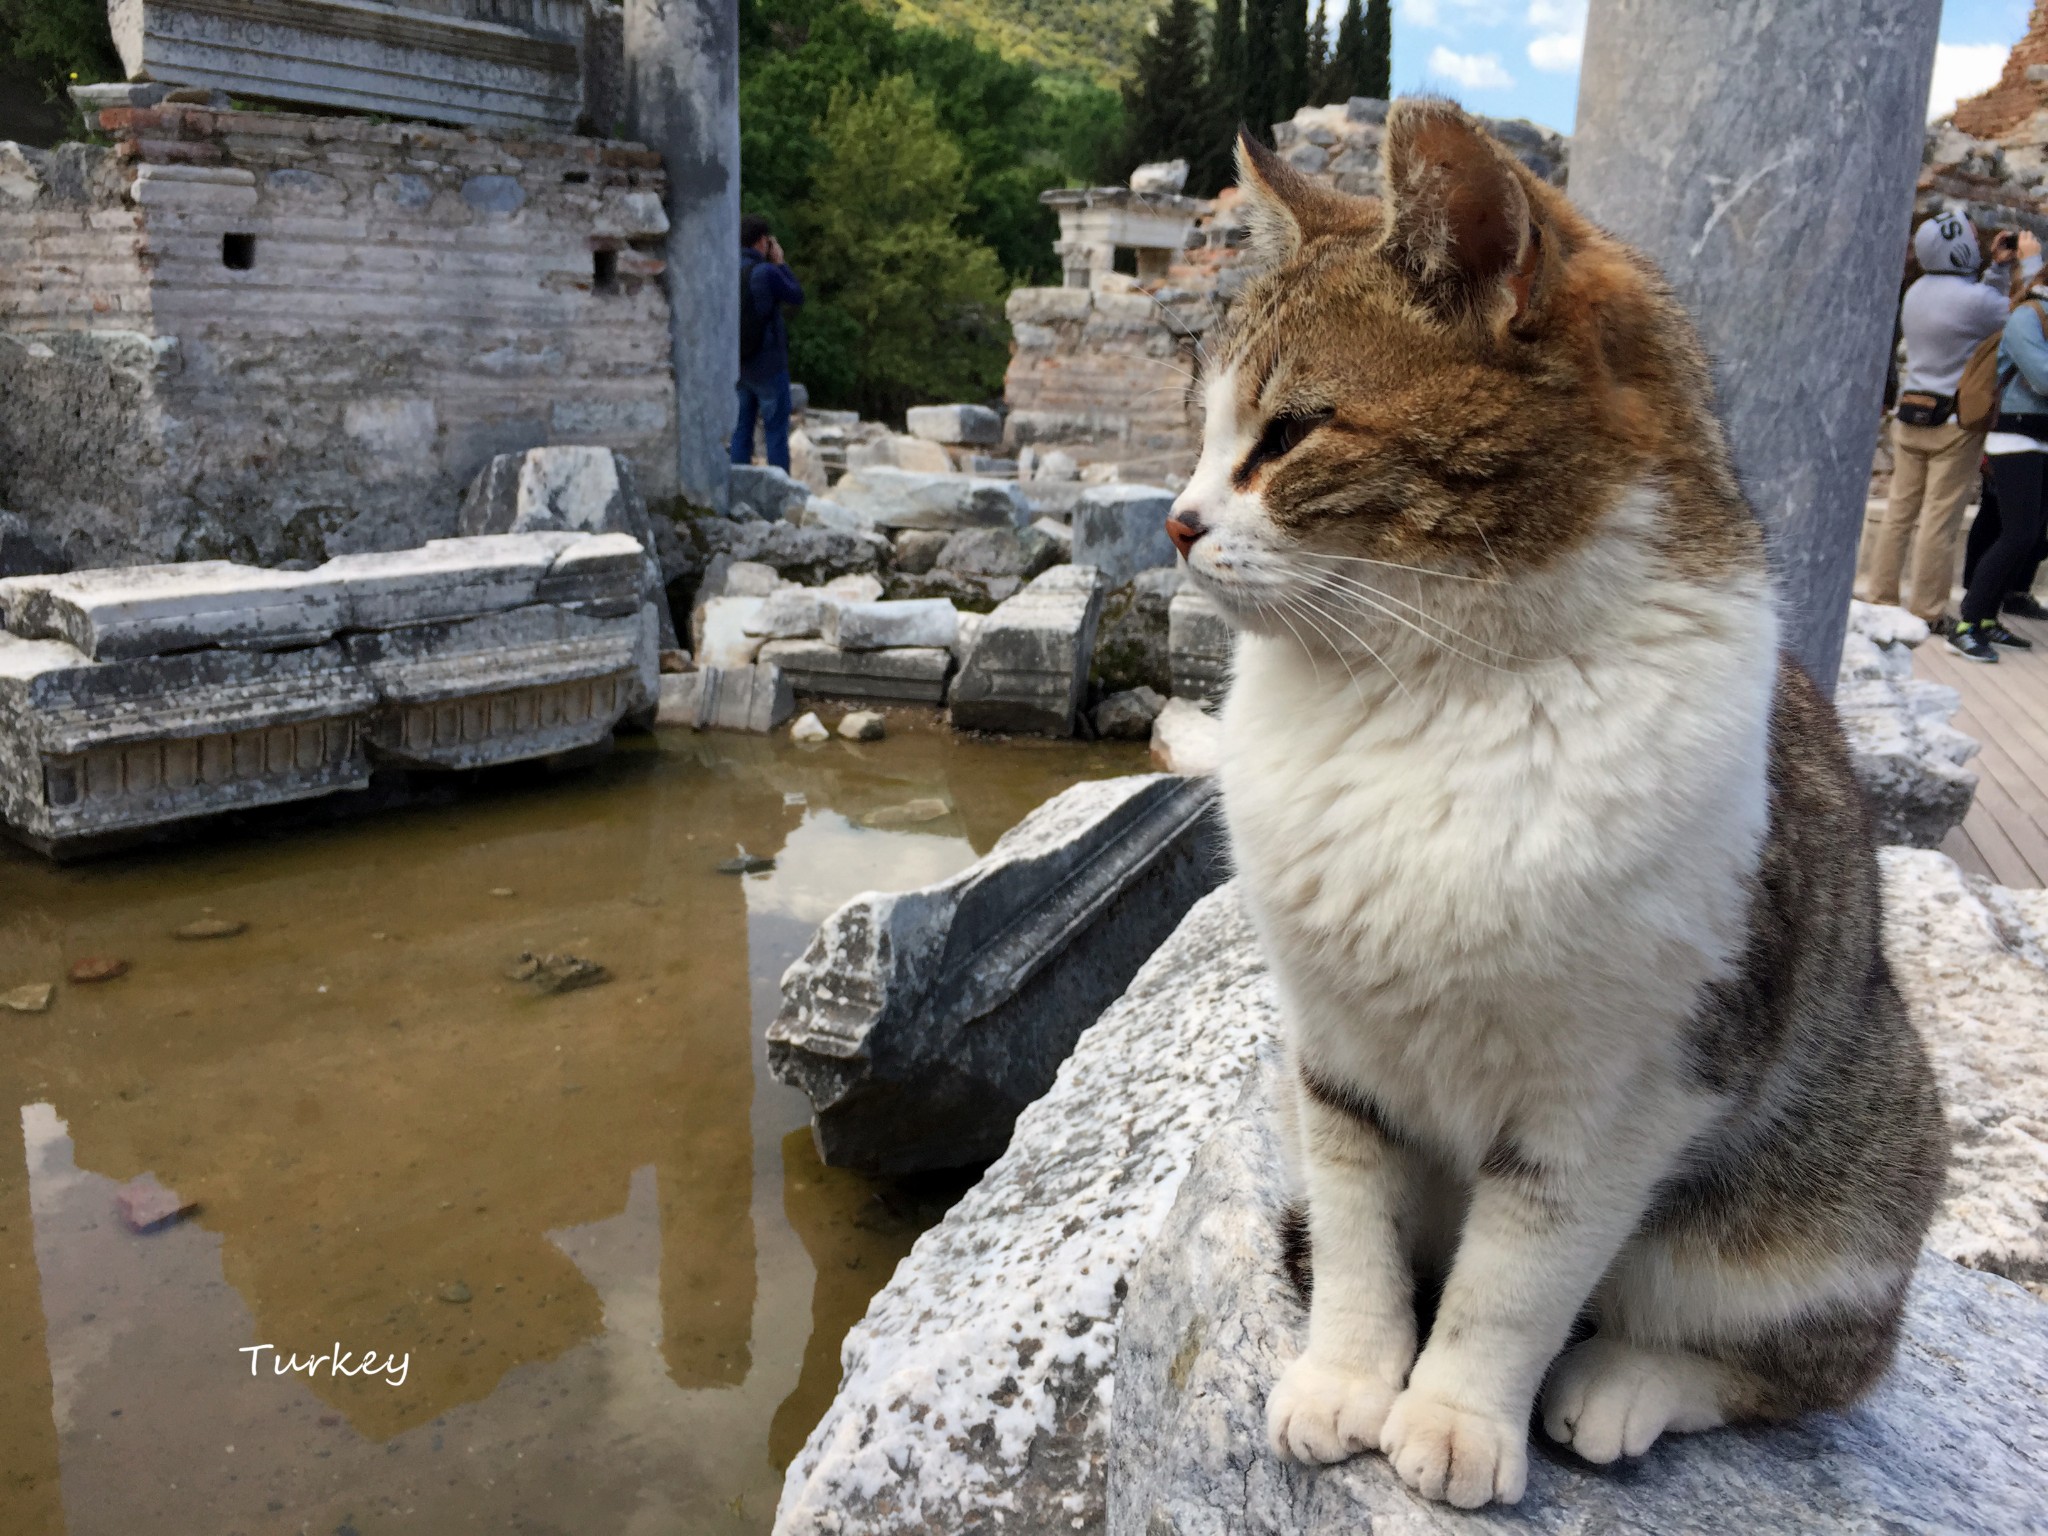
570 489
1187 1422
895 451
155 610
984 552
91 750
1047 306
777 496
506 687
917 549
724 640
1167 176
914 675
1199 646
1121 530
955 425
920 1024
896 498
1131 643
498 67
1186 738
1128 716
444 579
755 698
859 587
1029 667
24 551
811 556
884 626
793 613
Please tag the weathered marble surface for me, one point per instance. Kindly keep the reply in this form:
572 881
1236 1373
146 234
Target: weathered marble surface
902 498
1121 530
951 1414
921 1023
754 698
1954 1440
1199 643
1028 670
964 425
136 696
977 1390
1908 758
911 674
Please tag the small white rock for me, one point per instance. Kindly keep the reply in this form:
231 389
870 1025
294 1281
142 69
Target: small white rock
809 728
862 725
1186 739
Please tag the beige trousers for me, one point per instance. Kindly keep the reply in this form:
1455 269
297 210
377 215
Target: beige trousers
1933 469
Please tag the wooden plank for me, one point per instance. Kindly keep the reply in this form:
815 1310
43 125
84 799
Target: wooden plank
2006 790
2005 864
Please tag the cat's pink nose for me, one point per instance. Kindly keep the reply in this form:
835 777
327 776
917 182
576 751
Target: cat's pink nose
1184 528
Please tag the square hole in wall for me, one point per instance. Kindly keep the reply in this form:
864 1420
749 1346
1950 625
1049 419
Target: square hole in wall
238 252
604 271
1125 261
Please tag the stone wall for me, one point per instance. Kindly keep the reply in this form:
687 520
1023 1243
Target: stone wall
269 336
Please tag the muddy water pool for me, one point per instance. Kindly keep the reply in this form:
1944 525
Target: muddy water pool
590 1222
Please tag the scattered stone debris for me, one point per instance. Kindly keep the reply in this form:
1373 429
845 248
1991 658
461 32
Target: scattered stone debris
96 968
746 863
503 891
455 1293
550 974
211 928
147 1206
863 725
809 729
32 998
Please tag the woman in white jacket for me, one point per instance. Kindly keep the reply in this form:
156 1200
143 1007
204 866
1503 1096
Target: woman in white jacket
1945 314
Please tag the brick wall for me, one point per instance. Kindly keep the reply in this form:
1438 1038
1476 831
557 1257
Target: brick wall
270 335
2015 98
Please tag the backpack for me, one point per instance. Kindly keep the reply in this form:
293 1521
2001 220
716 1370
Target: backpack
753 324
1982 382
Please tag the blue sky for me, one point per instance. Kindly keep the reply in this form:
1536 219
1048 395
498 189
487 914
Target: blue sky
1520 58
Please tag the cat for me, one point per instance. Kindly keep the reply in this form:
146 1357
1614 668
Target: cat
1559 865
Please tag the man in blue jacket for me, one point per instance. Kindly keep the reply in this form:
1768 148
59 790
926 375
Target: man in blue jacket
766 289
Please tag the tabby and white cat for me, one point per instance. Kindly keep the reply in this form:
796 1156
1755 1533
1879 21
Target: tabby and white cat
1559 865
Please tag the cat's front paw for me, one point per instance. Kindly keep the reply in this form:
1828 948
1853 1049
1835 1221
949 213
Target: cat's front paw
1451 1453
1320 1412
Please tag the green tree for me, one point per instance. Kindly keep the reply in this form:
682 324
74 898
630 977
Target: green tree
1347 59
46 45
1213 166
919 300
1321 81
1165 114
1262 67
1378 79
1293 85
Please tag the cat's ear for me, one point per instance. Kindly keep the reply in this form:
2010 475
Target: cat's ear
1284 210
1458 219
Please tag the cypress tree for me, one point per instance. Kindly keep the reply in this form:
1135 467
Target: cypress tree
1165 115
1378 78
1347 63
1262 67
1293 84
1321 81
1214 168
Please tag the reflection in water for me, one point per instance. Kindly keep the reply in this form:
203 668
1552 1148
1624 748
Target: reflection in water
620 1278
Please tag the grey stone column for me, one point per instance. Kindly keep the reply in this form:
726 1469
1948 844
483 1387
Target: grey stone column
1764 153
682 100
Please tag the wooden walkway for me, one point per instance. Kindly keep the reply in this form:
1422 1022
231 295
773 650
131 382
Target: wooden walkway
2005 707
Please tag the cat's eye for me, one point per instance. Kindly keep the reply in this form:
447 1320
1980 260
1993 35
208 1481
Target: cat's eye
1283 434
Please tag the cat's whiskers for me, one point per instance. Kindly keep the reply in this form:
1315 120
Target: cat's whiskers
1336 584
1395 565
1334 591
1303 598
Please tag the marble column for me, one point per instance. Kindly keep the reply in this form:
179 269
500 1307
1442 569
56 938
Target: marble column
682 100
1764 155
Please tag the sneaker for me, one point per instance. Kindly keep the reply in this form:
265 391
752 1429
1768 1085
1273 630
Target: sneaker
1967 640
1998 634
2022 605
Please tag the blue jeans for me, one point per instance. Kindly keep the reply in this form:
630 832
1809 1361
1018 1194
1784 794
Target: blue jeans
770 399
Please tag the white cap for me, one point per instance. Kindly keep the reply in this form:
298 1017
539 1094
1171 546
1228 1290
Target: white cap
1947 243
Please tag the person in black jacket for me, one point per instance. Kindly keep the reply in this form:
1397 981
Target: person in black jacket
766 289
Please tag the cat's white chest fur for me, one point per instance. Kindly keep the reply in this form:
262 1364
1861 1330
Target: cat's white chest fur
1498 891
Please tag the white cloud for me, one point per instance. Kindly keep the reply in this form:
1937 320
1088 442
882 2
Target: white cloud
1474 71
1560 40
1441 15
1963 69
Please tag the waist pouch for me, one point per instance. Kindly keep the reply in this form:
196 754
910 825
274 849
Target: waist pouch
2024 423
1924 408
